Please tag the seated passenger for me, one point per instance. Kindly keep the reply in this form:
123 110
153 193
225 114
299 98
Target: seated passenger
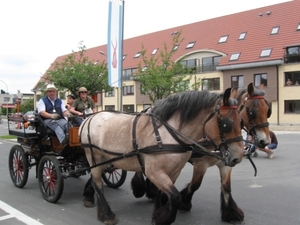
52 111
70 100
84 104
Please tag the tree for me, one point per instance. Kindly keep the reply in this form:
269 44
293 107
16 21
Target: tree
27 105
76 71
161 76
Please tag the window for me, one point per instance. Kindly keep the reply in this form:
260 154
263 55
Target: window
191 64
190 45
128 108
298 28
265 52
223 39
110 93
182 86
260 79
124 56
6 99
128 73
175 47
242 36
210 63
292 106
292 54
237 81
275 30
142 90
292 78
137 55
154 51
234 56
96 62
128 90
109 107
211 84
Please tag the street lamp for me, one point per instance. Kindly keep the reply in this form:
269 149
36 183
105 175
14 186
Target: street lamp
6 102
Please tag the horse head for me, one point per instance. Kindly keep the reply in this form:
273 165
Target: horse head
255 111
225 131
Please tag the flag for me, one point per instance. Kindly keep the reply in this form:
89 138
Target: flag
115 42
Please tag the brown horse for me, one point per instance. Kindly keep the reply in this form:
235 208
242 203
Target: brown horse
159 142
254 110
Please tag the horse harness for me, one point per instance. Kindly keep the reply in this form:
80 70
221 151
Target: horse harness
225 126
252 114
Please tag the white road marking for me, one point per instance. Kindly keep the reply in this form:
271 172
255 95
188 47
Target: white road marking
255 186
12 212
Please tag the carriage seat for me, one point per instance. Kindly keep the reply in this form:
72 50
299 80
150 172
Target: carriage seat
41 127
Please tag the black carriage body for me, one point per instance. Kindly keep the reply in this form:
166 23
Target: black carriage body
38 146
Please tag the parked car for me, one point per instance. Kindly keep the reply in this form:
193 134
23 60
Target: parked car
29 115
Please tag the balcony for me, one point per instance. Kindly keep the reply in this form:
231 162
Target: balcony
292 58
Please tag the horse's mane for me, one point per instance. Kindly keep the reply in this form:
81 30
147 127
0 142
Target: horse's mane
188 104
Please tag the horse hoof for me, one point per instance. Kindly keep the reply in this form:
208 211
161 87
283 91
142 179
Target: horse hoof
184 211
88 204
111 222
235 222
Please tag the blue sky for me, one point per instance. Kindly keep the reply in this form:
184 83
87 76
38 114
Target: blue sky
35 32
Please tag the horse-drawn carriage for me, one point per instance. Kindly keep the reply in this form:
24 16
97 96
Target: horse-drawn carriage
38 146
157 143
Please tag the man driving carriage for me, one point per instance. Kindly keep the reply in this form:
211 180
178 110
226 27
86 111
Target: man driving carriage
52 111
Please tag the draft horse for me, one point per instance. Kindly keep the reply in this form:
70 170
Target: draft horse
159 142
255 111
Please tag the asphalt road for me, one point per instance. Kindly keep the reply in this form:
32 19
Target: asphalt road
272 197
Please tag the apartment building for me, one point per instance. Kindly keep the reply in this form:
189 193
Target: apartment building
260 46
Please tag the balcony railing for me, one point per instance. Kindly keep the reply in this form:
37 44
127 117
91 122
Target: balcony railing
193 70
293 58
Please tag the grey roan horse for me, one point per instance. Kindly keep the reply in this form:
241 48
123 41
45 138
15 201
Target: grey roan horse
159 142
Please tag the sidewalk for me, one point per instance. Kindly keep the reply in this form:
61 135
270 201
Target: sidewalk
285 128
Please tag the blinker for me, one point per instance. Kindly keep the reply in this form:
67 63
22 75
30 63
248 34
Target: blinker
226 125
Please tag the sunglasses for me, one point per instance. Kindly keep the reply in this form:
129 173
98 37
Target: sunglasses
83 92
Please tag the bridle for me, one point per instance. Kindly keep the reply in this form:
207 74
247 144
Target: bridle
225 126
252 113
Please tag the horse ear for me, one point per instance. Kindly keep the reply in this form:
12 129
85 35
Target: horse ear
234 92
250 89
226 96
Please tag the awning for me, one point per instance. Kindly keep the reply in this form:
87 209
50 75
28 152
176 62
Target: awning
8 106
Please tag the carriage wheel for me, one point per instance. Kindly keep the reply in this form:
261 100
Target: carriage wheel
18 166
114 177
50 179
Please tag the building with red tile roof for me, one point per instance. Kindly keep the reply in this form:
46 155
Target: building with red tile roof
260 46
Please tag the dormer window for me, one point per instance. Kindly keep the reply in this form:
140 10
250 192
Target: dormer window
223 39
234 56
138 54
154 51
190 45
175 47
275 30
242 36
266 52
